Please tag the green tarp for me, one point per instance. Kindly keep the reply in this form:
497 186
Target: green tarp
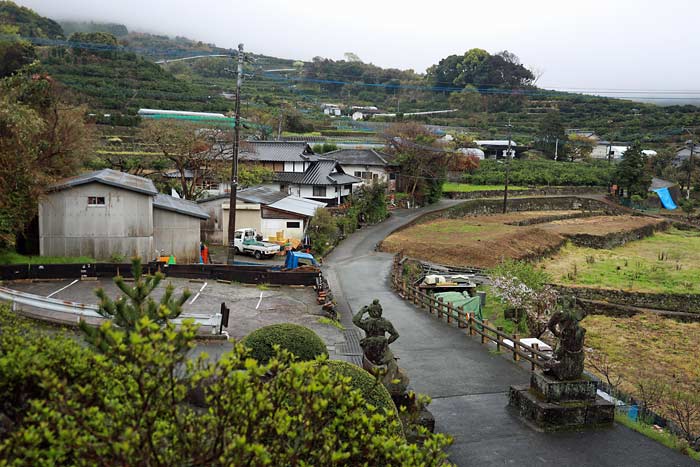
462 299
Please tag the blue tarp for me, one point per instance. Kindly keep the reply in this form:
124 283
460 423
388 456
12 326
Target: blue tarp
665 197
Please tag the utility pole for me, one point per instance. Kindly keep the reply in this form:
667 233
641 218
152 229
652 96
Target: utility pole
505 191
690 167
234 159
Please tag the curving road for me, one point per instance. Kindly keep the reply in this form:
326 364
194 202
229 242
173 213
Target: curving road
468 384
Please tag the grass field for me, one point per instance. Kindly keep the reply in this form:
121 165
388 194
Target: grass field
10 257
467 188
666 262
646 346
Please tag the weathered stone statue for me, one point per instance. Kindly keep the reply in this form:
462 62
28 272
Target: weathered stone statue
567 361
378 358
559 398
375 345
380 361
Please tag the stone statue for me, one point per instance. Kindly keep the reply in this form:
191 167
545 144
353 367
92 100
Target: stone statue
567 361
375 345
378 358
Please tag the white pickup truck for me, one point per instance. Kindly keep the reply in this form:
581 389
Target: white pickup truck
245 242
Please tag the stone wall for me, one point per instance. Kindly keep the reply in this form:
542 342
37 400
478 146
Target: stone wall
544 191
616 239
688 303
557 203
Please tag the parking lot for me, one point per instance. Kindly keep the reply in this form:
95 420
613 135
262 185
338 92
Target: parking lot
251 306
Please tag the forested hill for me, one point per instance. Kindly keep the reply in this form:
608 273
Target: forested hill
487 89
28 23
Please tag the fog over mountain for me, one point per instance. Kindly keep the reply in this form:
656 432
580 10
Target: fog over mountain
629 46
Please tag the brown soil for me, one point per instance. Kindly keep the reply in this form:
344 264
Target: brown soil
484 241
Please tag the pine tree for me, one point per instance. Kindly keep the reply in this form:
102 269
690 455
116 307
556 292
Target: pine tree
133 307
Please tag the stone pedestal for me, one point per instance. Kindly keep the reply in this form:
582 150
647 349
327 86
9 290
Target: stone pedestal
553 405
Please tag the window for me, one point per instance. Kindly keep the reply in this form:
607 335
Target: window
293 225
238 235
96 201
358 174
320 191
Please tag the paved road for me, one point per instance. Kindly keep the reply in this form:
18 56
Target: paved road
468 383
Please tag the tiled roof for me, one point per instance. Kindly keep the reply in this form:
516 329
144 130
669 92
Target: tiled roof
108 177
260 195
181 206
275 151
320 172
359 157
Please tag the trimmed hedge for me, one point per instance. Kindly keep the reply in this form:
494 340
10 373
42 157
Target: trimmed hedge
301 341
372 390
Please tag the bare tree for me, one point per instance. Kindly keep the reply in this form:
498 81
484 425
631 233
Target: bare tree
650 391
195 153
423 159
683 407
605 367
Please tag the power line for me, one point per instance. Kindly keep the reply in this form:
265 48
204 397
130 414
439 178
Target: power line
186 54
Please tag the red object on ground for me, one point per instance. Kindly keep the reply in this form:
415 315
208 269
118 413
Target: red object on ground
205 255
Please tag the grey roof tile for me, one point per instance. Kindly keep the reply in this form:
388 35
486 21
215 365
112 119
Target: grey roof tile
181 206
108 177
360 157
320 172
276 151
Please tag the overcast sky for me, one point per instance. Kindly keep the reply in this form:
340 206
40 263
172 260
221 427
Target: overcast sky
597 44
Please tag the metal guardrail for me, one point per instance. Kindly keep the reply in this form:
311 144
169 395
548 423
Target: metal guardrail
81 310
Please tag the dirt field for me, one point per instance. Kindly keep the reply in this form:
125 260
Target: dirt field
484 241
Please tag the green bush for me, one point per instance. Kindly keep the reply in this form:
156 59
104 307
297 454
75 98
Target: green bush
301 341
63 403
371 389
323 230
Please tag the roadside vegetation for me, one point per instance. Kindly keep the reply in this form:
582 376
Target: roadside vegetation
10 257
667 262
451 187
542 173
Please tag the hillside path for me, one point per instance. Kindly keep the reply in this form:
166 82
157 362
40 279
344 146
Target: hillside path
468 384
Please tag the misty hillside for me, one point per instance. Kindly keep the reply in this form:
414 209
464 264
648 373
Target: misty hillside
486 89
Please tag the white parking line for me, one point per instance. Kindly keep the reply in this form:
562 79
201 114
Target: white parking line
259 301
198 293
61 289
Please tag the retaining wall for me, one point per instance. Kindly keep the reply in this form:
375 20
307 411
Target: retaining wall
616 239
688 303
544 191
239 273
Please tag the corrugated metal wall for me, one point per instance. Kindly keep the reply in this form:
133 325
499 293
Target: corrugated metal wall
68 226
176 234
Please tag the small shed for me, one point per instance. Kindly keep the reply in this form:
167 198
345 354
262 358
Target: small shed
176 227
100 214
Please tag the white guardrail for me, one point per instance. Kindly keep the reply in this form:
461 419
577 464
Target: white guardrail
75 311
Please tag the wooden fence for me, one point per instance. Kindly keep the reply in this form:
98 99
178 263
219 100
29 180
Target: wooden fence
465 320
